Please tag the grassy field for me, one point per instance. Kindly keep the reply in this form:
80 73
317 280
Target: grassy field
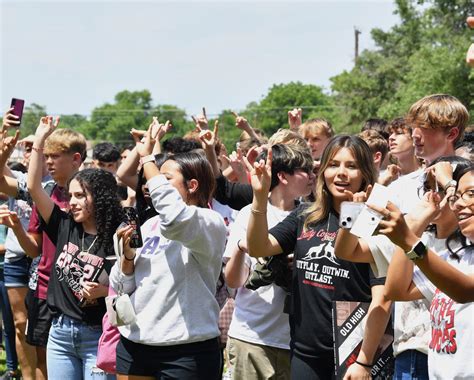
3 366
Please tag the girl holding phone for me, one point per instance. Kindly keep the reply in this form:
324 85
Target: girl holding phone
172 279
318 276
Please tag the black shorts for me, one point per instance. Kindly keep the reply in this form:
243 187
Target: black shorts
200 360
39 320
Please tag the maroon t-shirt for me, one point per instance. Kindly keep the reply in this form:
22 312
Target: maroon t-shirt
59 197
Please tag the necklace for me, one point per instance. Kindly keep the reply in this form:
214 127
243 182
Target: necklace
82 244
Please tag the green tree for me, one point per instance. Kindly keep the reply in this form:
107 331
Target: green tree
422 55
271 113
113 122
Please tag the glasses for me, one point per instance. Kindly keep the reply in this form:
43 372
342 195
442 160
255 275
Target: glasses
467 197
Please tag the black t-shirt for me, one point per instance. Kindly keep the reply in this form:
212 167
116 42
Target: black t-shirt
72 267
319 278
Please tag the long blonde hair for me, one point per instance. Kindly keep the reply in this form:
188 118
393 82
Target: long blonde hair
321 207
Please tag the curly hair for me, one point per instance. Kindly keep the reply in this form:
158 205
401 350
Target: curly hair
108 212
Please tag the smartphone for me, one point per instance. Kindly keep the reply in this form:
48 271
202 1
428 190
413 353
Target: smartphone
131 218
17 105
366 223
349 213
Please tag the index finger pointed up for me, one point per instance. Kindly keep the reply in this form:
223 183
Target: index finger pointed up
269 157
236 115
204 112
216 127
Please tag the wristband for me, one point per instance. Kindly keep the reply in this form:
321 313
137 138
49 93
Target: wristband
133 258
363 364
37 149
149 158
254 211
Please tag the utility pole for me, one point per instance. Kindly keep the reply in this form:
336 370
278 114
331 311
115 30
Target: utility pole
356 34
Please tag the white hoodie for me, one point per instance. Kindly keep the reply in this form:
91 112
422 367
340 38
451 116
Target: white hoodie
176 271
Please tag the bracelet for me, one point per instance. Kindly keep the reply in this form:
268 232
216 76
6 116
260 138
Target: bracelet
363 364
239 247
37 149
146 159
254 211
450 183
133 258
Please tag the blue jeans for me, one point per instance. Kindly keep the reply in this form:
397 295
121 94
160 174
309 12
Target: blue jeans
411 365
72 350
9 327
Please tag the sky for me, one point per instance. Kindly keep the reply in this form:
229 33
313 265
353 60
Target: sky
72 56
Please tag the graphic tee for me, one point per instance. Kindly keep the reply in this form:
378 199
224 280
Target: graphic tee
319 278
450 351
72 266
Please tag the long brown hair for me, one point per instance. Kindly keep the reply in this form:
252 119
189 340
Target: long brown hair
320 208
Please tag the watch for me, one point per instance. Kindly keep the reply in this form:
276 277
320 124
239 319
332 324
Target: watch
417 252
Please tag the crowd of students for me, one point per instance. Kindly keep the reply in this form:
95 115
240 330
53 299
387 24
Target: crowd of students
243 253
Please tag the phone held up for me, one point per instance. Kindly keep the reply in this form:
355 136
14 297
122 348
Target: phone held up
131 217
349 213
18 105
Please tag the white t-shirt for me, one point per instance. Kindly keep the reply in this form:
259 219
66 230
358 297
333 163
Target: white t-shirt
258 314
411 319
451 347
404 191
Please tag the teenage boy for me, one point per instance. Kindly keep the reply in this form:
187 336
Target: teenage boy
438 123
106 156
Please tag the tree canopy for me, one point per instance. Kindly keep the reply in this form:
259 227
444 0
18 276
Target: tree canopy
423 54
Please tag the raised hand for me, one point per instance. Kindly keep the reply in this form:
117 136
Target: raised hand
201 120
164 129
241 122
146 140
442 172
360 196
261 176
391 174
236 161
295 118
7 144
46 126
208 137
10 120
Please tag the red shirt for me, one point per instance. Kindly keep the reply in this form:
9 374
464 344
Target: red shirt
48 249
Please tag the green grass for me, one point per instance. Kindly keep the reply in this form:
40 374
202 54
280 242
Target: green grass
3 365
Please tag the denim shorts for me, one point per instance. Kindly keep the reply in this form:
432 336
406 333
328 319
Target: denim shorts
16 273
72 350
